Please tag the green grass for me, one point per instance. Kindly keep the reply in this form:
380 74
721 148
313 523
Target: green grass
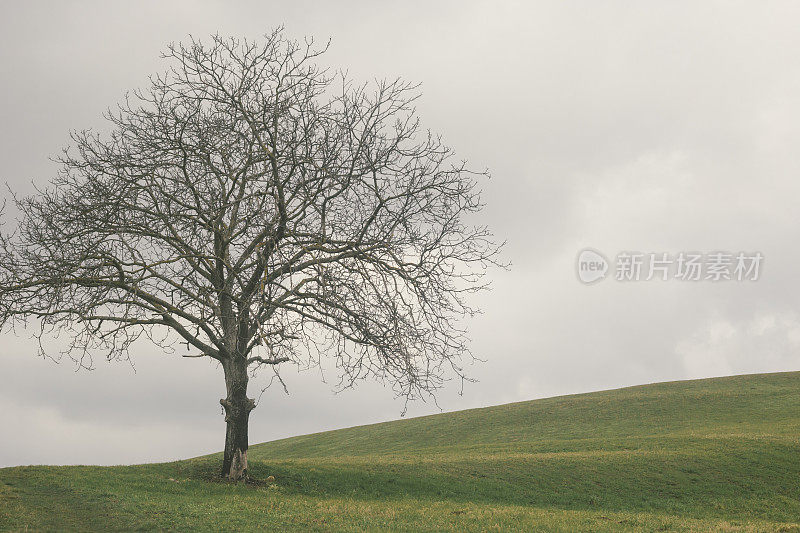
716 454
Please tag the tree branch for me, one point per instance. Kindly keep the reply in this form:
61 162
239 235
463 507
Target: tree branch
267 361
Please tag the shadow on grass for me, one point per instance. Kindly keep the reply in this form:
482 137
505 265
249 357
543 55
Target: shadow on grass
733 482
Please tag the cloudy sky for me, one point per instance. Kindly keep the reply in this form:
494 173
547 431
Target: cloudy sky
650 126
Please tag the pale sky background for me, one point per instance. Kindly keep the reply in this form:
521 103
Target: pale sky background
647 126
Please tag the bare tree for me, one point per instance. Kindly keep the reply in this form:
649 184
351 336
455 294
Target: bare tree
260 210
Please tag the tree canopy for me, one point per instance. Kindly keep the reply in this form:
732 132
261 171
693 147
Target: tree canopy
259 209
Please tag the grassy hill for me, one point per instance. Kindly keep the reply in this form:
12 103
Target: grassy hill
719 454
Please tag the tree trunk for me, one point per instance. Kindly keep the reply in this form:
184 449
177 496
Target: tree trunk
237 414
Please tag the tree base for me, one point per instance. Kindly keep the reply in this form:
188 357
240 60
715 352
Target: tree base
238 467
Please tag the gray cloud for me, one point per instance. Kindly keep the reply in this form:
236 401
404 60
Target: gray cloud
658 127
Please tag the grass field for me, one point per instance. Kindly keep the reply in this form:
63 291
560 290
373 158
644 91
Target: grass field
716 454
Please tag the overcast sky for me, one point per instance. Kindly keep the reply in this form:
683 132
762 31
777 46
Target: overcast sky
632 126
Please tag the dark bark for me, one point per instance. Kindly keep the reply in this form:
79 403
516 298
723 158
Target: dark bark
237 415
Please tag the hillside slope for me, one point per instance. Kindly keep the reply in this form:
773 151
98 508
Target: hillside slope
707 454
